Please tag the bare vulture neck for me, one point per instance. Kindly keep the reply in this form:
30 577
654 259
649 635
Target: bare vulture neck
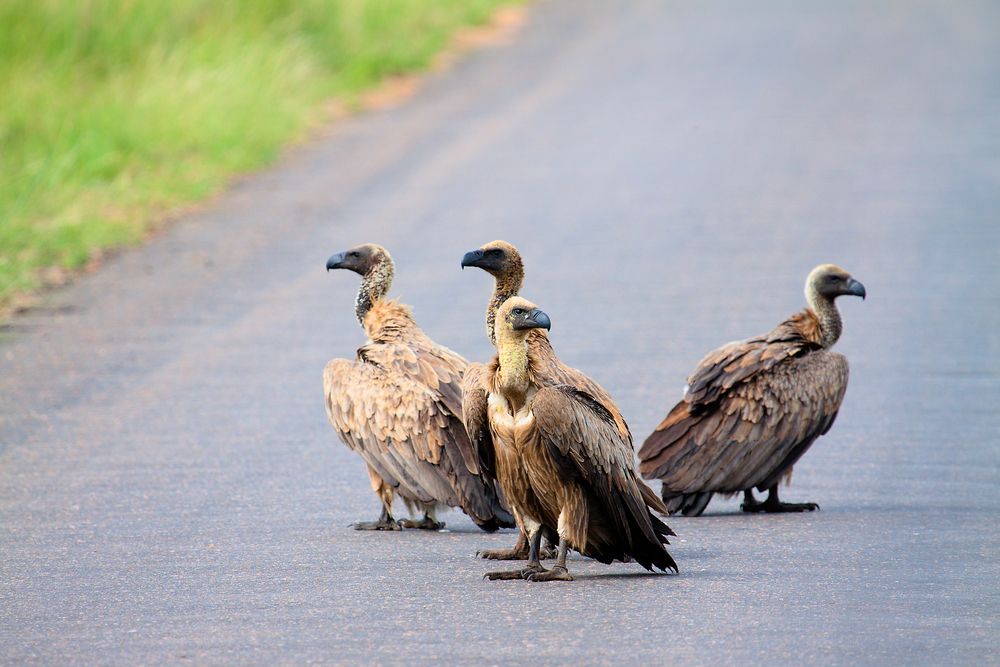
507 285
514 377
374 286
828 315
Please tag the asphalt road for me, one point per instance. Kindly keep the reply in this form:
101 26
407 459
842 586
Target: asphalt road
170 489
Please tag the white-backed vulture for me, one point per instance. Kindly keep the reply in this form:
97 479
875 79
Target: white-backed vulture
562 463
752 408
503 261
398 405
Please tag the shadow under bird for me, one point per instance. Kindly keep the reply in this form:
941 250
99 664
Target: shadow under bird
398 405
503 261
562 462
752 408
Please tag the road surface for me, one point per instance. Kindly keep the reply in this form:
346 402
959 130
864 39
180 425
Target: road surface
170 490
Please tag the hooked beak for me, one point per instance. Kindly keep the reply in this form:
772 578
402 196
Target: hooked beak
537 319
335 261
472 258
856 288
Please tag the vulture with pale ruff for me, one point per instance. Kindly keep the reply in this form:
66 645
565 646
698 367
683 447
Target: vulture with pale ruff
561 460
752 408
503 261
398 404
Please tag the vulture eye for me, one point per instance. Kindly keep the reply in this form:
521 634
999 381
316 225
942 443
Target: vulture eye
518 311
354 254
494 252
834 279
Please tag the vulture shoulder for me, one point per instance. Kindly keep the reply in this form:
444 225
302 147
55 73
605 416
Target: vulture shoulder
751 410
550 366
736 362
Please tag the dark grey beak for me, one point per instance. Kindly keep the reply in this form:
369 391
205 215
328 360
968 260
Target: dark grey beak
539 320
856 288
335 261
472 258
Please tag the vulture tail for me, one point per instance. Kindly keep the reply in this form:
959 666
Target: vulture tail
653 553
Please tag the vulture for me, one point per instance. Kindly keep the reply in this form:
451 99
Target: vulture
752 408
398 404
503 261
561 460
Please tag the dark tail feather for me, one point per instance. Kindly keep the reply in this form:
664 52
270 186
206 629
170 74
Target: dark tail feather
688 504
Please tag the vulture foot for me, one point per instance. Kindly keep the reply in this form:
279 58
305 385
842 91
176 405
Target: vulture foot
772 505
426 523
520 573
504 554
381 524
555 573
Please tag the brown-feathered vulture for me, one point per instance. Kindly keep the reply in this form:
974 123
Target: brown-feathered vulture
562 462
503 261
752 408
398 405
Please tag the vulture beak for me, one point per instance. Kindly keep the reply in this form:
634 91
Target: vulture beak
336 261
472 258
856 288
537 319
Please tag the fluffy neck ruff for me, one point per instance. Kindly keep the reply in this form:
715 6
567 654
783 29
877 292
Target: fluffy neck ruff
827 314
374 286
507 285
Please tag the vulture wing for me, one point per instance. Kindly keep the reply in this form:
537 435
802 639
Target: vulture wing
583 439
551 368
406 433
751 410
433 366
475 415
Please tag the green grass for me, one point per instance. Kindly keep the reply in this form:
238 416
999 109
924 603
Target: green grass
113 112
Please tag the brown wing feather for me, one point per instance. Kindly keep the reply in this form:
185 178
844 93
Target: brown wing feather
550 369
475 415
731 364
584 441
431 365
754 432
408 436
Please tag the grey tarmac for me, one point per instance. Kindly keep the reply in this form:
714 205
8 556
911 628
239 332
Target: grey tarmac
170 490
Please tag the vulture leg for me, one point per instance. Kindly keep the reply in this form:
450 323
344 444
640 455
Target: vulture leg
557 572
534 565
429 522
385 494
750 504
384 522
772 504
518 552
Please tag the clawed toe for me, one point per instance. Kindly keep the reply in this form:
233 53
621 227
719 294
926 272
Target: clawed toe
520 573
778 508
376 525
424 524
503 554
555 573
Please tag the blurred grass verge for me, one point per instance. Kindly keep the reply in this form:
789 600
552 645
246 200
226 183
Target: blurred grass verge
113 113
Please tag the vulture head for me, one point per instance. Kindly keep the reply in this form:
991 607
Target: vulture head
362 259
830 281
498 258
519 316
